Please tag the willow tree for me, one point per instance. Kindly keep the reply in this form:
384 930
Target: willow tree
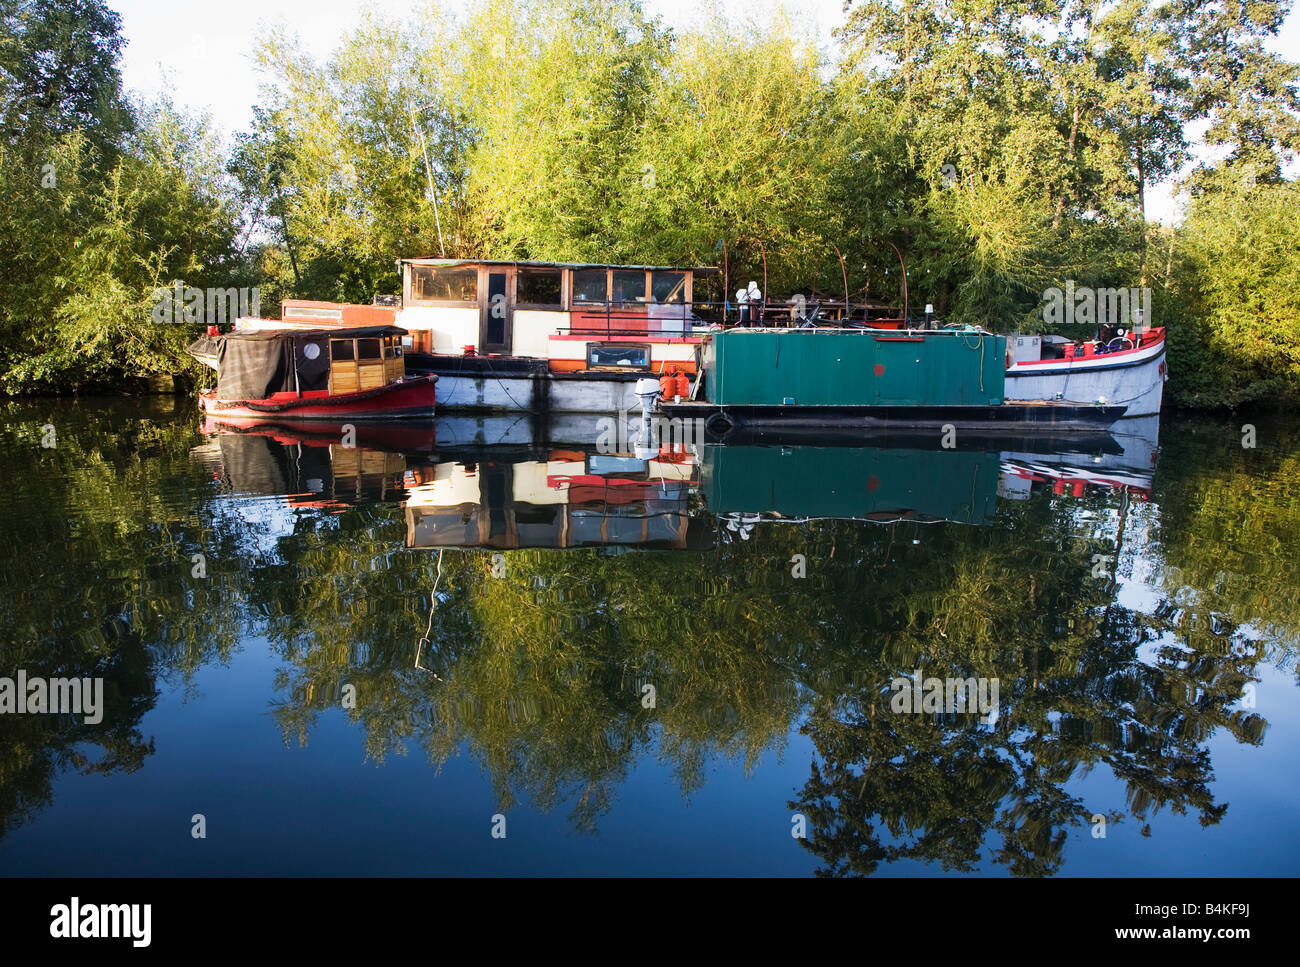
1240 341
357 158
742 148
557 95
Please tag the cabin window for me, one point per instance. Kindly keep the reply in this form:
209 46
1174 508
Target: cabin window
629 287
668 287
434 283
341 349
368 349
309 312
590 285
625 357
539 287
391 351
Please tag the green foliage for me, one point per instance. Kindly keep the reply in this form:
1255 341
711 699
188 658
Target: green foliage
1240 262
103 205
58 71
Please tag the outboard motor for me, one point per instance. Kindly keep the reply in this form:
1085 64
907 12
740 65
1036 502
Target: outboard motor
647 389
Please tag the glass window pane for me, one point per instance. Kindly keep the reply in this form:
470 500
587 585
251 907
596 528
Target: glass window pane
430 283
340 349
538 287
632 357
668 287
629 287
589 285
368 349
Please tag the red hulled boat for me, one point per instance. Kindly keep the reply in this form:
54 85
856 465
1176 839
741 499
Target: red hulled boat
333 375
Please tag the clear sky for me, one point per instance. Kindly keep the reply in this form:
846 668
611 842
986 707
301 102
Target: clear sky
202 51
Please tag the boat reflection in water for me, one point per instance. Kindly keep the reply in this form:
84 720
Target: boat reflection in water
869 483
321 465
526 494
911 478
556 498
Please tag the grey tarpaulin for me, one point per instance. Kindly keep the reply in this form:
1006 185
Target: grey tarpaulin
256 464
253 369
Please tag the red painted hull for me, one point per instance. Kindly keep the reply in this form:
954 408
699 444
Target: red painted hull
406 436
409 399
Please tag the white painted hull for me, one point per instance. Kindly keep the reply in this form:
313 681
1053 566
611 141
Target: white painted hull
605 396
475 392
1135 380
1139 439
525 430
518 393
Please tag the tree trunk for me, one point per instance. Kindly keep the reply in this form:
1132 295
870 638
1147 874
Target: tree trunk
1142 198
1074 137
288 244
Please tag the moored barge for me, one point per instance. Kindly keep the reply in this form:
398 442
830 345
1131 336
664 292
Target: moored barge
329 375
804 380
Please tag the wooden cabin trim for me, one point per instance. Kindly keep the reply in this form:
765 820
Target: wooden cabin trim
485 273
522 271
408 275
358 374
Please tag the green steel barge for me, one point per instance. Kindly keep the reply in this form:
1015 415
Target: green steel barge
807 380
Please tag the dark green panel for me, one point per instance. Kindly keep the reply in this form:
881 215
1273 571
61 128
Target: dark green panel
850 482
854 368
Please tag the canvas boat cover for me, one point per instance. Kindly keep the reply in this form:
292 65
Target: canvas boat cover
205 349
256 365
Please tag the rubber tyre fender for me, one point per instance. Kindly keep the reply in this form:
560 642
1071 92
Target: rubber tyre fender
718 426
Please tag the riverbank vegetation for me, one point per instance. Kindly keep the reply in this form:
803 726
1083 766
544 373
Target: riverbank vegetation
1000 149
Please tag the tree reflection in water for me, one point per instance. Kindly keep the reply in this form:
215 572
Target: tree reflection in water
538 673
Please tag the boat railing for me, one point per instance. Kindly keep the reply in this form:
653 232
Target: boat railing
613 317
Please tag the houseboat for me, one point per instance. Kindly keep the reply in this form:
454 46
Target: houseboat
313 314
541 337
552 337
331 375
546 336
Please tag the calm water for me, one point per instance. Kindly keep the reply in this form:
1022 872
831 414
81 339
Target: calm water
387 652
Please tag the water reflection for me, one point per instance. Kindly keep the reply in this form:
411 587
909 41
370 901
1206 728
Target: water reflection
565 498
474 595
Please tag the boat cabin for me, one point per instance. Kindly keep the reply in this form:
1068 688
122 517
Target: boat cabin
259 365
313 314
576 315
